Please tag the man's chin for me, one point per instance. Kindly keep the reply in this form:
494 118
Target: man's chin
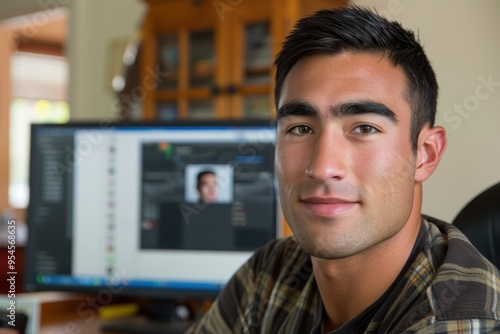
329 241
327 253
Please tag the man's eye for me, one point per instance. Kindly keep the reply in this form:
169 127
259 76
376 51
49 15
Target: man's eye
300 130
365 129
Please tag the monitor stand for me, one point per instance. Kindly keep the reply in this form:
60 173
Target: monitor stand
159 317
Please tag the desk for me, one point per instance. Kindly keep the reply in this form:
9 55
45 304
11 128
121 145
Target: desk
72 313
57 313
71 324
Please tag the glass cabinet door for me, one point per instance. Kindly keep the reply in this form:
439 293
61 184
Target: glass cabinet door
207 67
202 59
201 74
253 65
186 72
257 53
168 61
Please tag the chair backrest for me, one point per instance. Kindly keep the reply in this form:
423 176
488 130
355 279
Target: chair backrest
479 220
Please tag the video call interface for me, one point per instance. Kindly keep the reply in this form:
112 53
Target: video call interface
173 215
129 204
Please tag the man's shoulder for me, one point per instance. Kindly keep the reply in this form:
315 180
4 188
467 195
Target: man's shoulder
465 285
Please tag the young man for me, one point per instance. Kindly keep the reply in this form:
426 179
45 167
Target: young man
356 100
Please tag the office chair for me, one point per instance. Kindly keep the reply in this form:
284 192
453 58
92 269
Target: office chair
479 220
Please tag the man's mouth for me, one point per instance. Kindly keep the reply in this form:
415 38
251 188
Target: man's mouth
328 206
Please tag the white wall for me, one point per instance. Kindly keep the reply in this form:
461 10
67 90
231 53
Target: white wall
461 39
94 26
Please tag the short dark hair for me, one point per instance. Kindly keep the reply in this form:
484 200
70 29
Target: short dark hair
201 174
357 29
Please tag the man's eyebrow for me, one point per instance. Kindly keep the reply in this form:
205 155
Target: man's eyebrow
297 109
338 111
363 107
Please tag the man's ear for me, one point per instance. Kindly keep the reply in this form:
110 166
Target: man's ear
431 146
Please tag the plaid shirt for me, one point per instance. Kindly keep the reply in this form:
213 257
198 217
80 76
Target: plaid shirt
445 287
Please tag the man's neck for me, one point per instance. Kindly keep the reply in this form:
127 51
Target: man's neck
348 286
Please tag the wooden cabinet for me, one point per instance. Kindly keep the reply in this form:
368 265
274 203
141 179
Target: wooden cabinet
204 59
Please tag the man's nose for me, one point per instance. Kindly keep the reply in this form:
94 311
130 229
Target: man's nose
329 156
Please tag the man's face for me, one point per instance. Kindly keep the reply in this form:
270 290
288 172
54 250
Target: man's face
344 160
208 188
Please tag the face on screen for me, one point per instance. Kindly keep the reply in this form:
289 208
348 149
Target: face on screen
207 187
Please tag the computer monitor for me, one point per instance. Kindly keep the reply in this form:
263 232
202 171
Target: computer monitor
120 205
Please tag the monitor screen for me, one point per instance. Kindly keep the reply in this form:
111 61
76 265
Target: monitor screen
152 209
